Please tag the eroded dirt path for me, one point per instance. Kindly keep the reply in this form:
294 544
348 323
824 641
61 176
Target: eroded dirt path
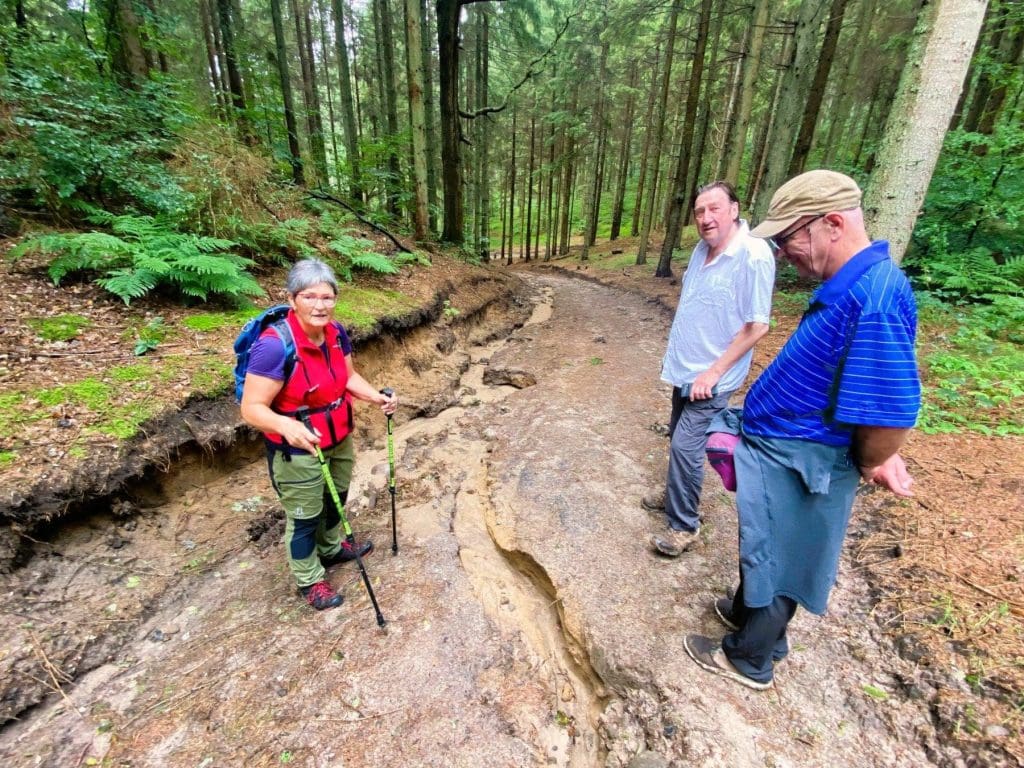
527 624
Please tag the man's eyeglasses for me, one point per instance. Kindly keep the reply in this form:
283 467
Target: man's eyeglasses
311 299
778 242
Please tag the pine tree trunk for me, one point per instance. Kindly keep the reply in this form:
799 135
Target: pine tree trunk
673 224
529 179
348 114
622 167
482 95
760 154
512 191
295 154
793 97
129 60
429 110
700 139
737 142
234 73
817 93
600 135
211 60
659 131
938 59
641 182
413 50
325 55
850 84
451 129
391 103
983 87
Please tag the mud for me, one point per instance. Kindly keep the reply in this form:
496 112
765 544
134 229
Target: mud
527 622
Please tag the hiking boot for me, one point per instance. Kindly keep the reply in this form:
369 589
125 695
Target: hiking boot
321 595
654 501
673 543
346 553
709 655
723 610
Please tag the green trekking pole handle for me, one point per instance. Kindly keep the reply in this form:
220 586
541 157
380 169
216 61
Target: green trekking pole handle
303 415
388 392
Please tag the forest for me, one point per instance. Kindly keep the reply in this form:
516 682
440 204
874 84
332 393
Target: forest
161 161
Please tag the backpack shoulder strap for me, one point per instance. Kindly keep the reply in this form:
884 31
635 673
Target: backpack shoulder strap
284 331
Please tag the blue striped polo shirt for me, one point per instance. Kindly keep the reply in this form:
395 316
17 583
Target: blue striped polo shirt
866 310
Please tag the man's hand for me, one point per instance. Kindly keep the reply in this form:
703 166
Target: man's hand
891 474
702 386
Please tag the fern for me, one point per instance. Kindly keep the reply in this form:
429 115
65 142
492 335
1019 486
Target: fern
143 254
374 262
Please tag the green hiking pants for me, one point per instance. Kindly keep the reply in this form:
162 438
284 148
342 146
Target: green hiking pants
313 525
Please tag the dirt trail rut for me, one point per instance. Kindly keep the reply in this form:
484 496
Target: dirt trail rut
527 624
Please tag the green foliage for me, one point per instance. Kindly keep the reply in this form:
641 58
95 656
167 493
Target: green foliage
352 253
58 328
282 238
975 379
73 135
7 457
968 244
142 254
149 336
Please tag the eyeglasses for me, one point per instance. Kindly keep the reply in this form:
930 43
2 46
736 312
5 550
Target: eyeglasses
779 242
311 299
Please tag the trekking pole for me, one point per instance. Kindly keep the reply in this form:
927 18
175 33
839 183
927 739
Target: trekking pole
303 415
388 392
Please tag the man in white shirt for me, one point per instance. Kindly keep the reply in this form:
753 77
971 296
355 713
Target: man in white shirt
723 310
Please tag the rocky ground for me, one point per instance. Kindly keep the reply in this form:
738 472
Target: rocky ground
526 621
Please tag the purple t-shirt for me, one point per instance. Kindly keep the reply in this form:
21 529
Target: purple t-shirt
266 358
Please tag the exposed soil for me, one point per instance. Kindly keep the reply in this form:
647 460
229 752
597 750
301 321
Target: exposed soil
527 624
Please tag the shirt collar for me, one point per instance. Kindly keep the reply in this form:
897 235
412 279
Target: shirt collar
733 246
850 273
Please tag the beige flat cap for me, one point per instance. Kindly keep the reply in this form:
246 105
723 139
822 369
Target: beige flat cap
808 194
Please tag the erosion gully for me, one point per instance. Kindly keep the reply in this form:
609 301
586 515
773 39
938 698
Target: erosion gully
126 619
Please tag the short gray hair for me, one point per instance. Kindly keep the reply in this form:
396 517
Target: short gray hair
309 272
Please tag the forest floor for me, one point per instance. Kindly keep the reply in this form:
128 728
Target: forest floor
148 617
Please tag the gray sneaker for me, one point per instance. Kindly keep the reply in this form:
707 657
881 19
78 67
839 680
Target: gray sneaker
709 655
654 501
672 542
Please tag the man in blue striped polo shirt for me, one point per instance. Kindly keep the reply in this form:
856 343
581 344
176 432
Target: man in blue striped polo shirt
833 407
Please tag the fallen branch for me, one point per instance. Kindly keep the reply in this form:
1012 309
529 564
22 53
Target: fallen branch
330 198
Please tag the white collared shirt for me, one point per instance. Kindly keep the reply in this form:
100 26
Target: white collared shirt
716 301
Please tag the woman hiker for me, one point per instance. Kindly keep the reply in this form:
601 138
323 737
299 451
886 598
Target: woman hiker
323 380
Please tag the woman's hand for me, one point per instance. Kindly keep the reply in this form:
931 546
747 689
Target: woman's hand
297 435
389 404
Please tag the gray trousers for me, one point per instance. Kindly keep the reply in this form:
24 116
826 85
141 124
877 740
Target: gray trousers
687 426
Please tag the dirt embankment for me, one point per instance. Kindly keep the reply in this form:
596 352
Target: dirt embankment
527 622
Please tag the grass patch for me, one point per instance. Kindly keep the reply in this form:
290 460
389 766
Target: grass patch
58 328
360 308
7 457
92 393
216 378
133 373
973 379
214 321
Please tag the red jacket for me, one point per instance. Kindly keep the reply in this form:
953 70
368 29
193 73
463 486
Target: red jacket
318 382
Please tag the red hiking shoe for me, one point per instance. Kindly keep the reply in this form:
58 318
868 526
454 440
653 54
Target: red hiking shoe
321 595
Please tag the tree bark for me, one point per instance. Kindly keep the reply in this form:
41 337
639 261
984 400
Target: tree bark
387 47
625 147
751 66
813 106
659 130
348 115
129 59
512 192
675 217
792 99
938 59
429 111
295 154
852 82
600 134
451 128
205 23
649 130
413 50
234 73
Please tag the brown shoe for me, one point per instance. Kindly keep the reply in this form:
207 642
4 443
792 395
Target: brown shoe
654 501
672 542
